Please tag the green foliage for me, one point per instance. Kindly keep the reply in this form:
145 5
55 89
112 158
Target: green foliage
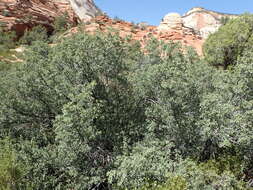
190 175
147 162
107 113
226 112
94 111
117 19
224 20
61 23
143 26
77 146
206 176
246 57
225 46
225 163
173 87
7 41
4 66
12 171
37 33
173 182
55 80
5 13
176 89
42 166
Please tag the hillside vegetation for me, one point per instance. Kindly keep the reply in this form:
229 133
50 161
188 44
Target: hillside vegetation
98 112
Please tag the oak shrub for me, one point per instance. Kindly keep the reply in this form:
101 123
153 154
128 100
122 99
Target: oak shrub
94 111
224 47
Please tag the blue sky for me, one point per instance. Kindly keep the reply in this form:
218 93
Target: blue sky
152 11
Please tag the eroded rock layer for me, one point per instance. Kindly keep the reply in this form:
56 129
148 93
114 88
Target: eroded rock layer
19 15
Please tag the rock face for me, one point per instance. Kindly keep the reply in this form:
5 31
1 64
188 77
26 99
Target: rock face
204 21
19 15
171 21
201 21
85 9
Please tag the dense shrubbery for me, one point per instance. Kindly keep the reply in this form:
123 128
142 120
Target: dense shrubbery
12 171
61 23
4 67
95 112
37 33
224 47
6 40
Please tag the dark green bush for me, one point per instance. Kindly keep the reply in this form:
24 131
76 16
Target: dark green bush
204 176
7 41
190 175
224 20
37 33
146 163
4 66
95 111
83 83
61 23
225 46
12 171
6 13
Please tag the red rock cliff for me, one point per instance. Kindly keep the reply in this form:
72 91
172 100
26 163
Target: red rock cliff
19 15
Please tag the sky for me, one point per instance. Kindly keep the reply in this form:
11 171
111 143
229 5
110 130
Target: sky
152 11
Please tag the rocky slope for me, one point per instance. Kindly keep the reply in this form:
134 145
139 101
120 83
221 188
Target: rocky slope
19 15
190 29
142 32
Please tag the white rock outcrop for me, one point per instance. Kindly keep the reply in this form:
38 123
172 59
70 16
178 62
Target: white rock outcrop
171 21
203 22
85 9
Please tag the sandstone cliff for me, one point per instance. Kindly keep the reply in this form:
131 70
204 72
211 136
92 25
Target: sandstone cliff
19 15
85 9
202 21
